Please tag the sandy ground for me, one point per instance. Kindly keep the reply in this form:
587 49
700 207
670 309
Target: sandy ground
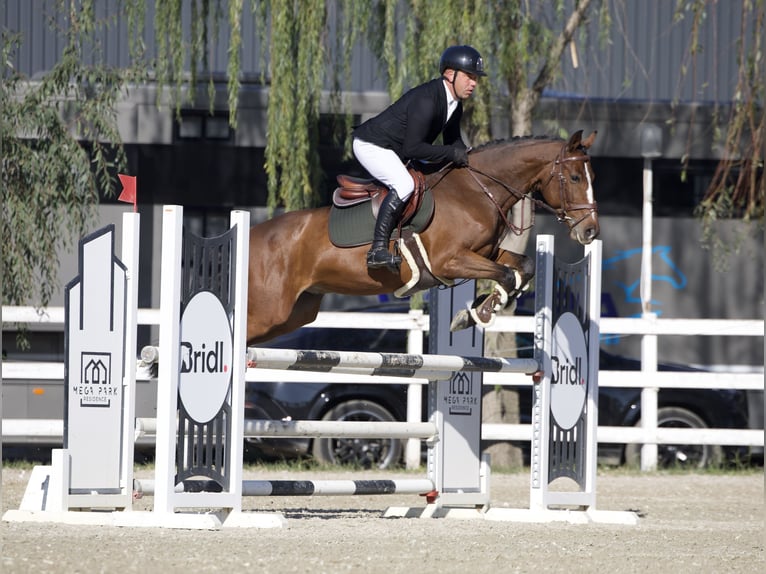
688 523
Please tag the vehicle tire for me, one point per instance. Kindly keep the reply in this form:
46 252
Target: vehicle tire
365 453
678 455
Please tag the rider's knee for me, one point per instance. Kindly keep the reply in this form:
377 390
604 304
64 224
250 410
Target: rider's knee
404 188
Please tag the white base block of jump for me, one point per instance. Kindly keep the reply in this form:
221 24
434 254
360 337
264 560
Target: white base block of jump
41 503
201 521
590 516
434 511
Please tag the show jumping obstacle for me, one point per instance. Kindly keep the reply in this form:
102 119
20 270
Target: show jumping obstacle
200 406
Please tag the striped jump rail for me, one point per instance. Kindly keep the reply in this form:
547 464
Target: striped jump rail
385 364
255 428
300 487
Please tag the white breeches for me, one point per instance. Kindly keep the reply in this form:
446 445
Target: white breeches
385 166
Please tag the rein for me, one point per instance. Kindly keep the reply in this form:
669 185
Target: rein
513 191
561 213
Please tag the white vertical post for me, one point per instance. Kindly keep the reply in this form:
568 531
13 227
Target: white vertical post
414 401
131 223
646 240
239 354
541 404
593 252
648 342
167 381
58 484
649 400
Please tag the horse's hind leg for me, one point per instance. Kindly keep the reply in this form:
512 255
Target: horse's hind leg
304 311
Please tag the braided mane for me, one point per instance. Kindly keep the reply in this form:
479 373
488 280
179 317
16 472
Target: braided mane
516 140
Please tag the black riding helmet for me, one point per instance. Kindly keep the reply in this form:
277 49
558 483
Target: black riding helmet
463 58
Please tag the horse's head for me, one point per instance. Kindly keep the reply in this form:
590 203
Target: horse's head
560 172
566 184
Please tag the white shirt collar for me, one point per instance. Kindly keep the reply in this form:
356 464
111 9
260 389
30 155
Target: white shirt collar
451 101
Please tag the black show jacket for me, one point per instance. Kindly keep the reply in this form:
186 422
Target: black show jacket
410 125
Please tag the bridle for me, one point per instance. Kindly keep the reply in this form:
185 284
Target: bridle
562 213
566 205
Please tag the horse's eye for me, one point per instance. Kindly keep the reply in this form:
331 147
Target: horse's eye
575 178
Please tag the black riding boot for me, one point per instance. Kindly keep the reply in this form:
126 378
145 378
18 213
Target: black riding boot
388 216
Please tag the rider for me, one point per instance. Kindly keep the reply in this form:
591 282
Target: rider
406 130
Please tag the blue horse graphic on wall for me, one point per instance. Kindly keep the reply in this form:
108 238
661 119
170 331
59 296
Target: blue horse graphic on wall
619 298
664 270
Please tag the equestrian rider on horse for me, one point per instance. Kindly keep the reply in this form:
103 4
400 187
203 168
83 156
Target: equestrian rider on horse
406 131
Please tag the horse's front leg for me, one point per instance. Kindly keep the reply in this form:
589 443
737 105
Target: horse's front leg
511 272
523 268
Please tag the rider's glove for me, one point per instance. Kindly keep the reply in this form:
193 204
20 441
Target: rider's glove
459 156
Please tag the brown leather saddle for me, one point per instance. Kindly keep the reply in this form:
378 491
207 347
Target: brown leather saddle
354 190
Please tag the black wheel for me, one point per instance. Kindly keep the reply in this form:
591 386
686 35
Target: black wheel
366 453
678 455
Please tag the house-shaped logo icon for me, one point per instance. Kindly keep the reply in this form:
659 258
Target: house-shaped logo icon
95 389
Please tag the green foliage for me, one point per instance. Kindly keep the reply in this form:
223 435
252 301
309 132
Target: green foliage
170 50
521 49
351 23
296 69
74 103
738 187
52 180
58 154
414 35
235 45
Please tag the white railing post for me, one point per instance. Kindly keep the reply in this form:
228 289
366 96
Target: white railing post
167 380
649 401
414 396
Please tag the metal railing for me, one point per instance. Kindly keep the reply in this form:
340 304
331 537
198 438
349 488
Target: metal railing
416 323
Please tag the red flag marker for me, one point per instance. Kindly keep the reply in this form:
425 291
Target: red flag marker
128 194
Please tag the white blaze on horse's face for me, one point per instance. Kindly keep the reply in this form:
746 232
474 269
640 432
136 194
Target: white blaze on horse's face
585 228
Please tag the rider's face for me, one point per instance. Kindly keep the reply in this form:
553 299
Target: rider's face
464 83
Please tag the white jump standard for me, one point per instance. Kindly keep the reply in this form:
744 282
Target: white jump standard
200 426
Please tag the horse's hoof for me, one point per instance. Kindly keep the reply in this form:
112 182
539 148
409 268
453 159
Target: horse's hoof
498 299
461 320
482 316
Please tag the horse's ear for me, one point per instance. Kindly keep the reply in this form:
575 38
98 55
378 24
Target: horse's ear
589 140
574 141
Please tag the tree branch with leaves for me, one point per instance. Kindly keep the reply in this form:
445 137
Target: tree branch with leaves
60 149
737 189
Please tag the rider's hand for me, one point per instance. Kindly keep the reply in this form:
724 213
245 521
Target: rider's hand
459 156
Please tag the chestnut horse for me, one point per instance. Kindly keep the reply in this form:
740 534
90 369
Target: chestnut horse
293 263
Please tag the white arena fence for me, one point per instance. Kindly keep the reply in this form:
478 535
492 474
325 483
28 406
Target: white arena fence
416 323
